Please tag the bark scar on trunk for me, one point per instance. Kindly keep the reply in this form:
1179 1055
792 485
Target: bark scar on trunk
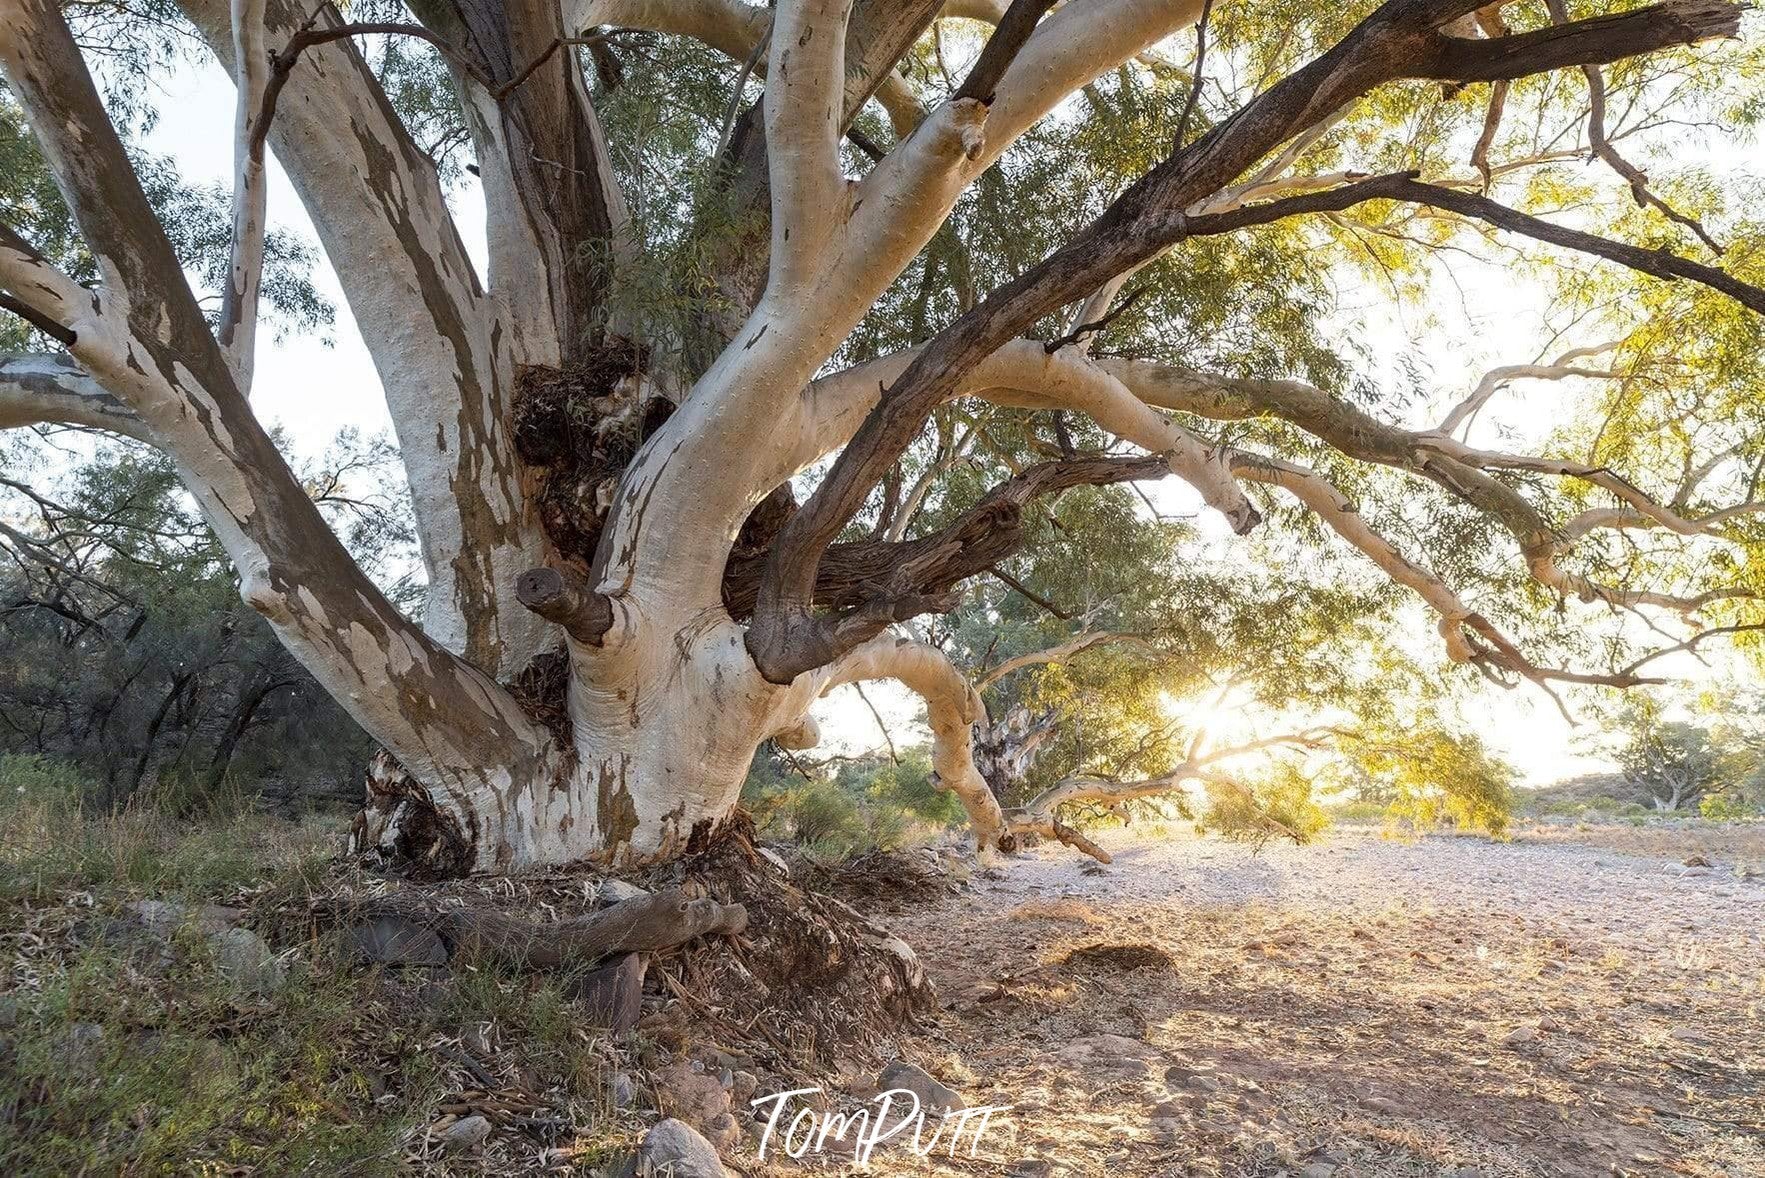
401 829
578 428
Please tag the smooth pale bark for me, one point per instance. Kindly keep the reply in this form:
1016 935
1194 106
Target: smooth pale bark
52 389
150 348
238 328
443 355
953 707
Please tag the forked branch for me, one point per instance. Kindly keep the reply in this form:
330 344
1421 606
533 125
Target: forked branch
1400 39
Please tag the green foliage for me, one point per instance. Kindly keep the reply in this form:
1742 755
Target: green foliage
863 806
51 841
830 822
1724 807
1280 805
105 1078
126 650
1676 764
1439 778
909 786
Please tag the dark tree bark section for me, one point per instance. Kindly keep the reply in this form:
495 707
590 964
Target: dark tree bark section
854 573
578 428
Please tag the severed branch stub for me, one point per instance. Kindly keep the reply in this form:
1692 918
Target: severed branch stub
563 598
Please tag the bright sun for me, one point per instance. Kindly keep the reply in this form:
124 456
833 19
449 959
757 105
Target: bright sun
1225 717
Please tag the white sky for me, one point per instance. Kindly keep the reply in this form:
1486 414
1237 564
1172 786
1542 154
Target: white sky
313 390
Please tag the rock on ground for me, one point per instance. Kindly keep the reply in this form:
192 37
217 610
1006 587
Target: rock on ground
164 917
915 1079
612 995
685 1090
466 1133
617 891
247 962
393 940
674 1149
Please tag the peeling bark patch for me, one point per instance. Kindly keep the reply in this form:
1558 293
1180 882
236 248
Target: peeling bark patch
615 811
402 828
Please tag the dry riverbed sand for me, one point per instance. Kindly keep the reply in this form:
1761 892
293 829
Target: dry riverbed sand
1577 1001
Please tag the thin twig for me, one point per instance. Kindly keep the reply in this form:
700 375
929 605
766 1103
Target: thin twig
877 716
1195 81
1014 583
1096 325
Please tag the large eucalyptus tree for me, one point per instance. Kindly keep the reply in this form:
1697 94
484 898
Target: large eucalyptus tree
625 598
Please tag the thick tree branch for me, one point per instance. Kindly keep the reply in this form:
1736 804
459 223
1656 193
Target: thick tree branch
40 294
437 344
239 304
884 583
553 204
165 364
1399 40
803 105
53 389
1469 636
659 920
953 707
1659 262
1013 30
1598 40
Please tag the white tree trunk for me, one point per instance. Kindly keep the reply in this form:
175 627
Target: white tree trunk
443 354
662 696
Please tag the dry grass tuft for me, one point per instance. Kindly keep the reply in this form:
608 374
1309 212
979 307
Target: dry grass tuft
1069 910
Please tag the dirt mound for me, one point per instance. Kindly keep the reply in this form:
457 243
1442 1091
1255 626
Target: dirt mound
1125 956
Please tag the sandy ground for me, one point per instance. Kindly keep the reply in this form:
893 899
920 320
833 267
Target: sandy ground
1569 1003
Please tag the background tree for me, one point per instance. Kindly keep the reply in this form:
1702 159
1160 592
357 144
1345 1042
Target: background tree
1674 764
128 651
749 280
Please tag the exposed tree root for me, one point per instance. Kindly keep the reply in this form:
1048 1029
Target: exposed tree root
751 959
660 920
810 979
